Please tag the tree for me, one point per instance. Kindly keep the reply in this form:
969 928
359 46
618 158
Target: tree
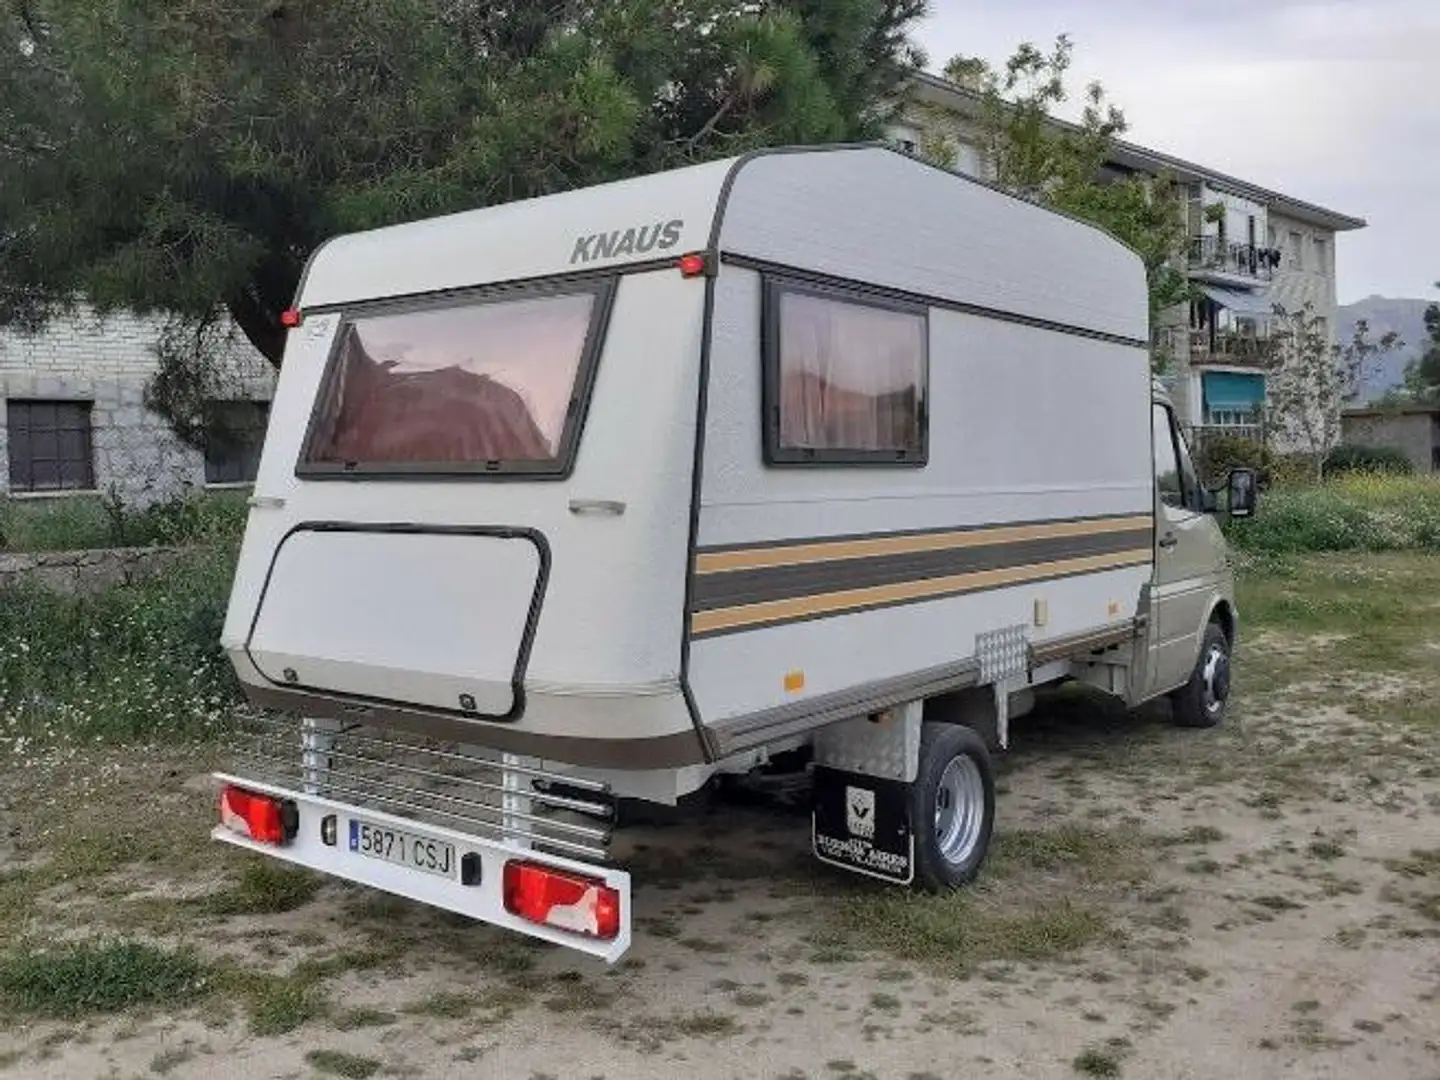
1063 165
1312 380
1422 375
185 157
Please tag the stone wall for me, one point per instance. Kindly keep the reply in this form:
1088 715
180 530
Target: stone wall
108 362
1415 434
84 571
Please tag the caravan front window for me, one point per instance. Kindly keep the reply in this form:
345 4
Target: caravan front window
845 377
489 385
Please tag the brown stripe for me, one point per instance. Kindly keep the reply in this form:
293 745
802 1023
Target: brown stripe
740 587
848 600
756 558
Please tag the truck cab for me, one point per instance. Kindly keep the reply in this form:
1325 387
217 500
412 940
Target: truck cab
1192 617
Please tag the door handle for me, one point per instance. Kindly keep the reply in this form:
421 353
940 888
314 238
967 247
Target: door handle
1168 540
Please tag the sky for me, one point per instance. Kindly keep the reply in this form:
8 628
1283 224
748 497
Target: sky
1336 102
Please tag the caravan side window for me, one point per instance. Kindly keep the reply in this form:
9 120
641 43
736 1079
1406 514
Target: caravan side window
846 377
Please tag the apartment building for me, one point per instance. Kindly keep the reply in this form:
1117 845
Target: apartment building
1262 248
73 418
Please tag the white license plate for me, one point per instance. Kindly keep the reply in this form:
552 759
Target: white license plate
402 848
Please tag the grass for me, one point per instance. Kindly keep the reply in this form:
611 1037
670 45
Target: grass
336 1063
136 661
98 977
1373 513
264 888
77 523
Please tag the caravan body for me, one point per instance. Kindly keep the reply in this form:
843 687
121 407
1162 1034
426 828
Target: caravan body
647 480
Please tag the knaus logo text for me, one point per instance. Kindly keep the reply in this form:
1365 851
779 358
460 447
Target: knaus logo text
636 240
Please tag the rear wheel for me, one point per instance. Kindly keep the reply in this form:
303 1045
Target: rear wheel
952 807
1201 701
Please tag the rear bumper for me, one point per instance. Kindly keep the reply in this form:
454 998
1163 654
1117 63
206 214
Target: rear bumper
483 901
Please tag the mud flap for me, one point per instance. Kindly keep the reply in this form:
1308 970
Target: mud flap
862 823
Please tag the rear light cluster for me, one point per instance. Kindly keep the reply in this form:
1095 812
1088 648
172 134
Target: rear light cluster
541 894
262 818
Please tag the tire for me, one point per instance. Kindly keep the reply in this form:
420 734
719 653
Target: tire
953 760
1201 702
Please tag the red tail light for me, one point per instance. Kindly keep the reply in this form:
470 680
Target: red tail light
550 897
694 264
290 318
260 817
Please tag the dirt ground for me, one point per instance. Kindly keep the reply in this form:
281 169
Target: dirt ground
1260 900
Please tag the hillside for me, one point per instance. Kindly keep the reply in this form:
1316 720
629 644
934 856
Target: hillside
1384 313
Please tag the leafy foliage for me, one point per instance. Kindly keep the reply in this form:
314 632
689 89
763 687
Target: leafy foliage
1347 458
1313 380
1216 455
186 157
1422 375
1063 166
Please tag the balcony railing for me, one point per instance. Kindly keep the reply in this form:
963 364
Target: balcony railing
1226 347
1239 260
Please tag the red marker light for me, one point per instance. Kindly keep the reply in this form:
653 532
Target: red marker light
550 897
290 318
260 817
694 264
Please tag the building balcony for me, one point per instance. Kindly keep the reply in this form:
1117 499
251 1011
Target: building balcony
1229 349
1212 258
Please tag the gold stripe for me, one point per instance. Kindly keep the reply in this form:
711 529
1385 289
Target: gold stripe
801 607
719 562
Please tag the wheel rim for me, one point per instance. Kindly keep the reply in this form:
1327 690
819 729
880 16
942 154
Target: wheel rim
959 809
1215 679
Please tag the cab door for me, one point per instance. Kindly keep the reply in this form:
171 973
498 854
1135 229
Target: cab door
1189 555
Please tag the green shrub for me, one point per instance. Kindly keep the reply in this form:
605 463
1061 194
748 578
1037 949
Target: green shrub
1348 458
1216 455
132 661
1354 512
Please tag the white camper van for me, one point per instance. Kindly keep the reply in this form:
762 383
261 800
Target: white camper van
603 495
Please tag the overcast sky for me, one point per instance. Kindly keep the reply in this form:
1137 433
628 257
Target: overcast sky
1336 102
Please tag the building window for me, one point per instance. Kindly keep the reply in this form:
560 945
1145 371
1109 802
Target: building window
846 377
1297 252
1322 256
232 452
50 446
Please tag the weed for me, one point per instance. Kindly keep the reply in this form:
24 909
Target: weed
791 979
885 1002
265 888
169 1060
356 1019
1275 902
1419 863
92 977
1326 850
751 999
443 1006
1093 1062
336 1063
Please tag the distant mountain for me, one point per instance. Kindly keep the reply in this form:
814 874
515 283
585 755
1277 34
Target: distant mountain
1383 314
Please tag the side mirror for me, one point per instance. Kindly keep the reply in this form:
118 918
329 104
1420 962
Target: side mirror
1241 492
